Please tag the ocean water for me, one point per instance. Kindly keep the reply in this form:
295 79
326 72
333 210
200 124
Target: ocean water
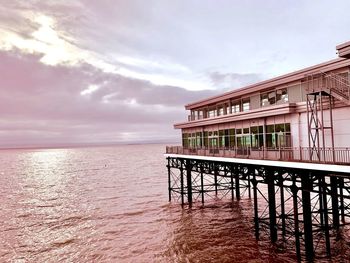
110 204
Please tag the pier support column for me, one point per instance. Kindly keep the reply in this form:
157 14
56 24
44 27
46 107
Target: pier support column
325 214
306 185
202 183
294 189
341 198
169 178
256 208
238 194
231 177
335 203
283 213
216 172
320 201
189 182
249 182
272 204
182 182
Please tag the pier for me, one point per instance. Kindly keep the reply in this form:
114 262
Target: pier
304 204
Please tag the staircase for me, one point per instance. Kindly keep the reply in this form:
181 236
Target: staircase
322 89
329 83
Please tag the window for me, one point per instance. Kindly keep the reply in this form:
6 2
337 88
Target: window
205 139
212 113
221 111
246 104
199 139
232 137
200 114
264 99
236 106
185 140
278 135
281 96
274 97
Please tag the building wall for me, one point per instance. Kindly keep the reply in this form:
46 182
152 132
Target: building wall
341 128
294 93
255 101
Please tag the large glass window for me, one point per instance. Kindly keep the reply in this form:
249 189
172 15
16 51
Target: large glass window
205 139
232 137
199 139
278 135
185 140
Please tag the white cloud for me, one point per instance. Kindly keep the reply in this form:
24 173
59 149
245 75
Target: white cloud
91 89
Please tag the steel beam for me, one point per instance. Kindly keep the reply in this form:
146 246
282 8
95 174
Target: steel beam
306 185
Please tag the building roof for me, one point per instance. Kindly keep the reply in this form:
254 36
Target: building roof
344 50
281 80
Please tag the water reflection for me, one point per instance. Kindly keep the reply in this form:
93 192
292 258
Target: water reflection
221 232
49 217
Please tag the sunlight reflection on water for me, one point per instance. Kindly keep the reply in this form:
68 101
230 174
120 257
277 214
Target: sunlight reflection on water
109 204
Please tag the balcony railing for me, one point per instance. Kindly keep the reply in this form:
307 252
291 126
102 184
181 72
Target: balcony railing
298 154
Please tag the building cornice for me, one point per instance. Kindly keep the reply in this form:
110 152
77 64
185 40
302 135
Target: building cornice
281 80
286 108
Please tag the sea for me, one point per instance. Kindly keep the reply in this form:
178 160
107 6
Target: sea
110 204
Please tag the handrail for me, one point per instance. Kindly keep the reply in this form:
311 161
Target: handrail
328 155
332 81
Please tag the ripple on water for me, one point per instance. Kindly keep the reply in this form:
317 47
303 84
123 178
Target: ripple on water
108 204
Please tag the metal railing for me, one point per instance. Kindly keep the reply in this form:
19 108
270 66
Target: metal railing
299 154
338 84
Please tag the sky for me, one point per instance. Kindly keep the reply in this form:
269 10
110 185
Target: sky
111 71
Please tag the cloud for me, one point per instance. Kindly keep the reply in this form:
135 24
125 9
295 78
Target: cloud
43 104
83 71
45 32
234 80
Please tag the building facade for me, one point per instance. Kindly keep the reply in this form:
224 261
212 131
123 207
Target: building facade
304 115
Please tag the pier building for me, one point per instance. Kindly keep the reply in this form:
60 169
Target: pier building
289 134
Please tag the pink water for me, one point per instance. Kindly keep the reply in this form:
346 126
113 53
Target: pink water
109 204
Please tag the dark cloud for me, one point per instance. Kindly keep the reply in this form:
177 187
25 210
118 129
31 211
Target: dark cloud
44 103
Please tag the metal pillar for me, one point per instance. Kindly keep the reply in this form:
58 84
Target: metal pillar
249 179
272 204
325 213
306 184
335 204
182 183
238 194
169 178
294 189
216 179
341 197
283 213
202 183
256 211
231 177
189 182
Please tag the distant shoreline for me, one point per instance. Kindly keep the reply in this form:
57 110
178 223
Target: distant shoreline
87 145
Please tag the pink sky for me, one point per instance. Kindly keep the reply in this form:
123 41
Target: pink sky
121 71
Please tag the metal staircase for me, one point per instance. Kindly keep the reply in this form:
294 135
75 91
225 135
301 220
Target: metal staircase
322 89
